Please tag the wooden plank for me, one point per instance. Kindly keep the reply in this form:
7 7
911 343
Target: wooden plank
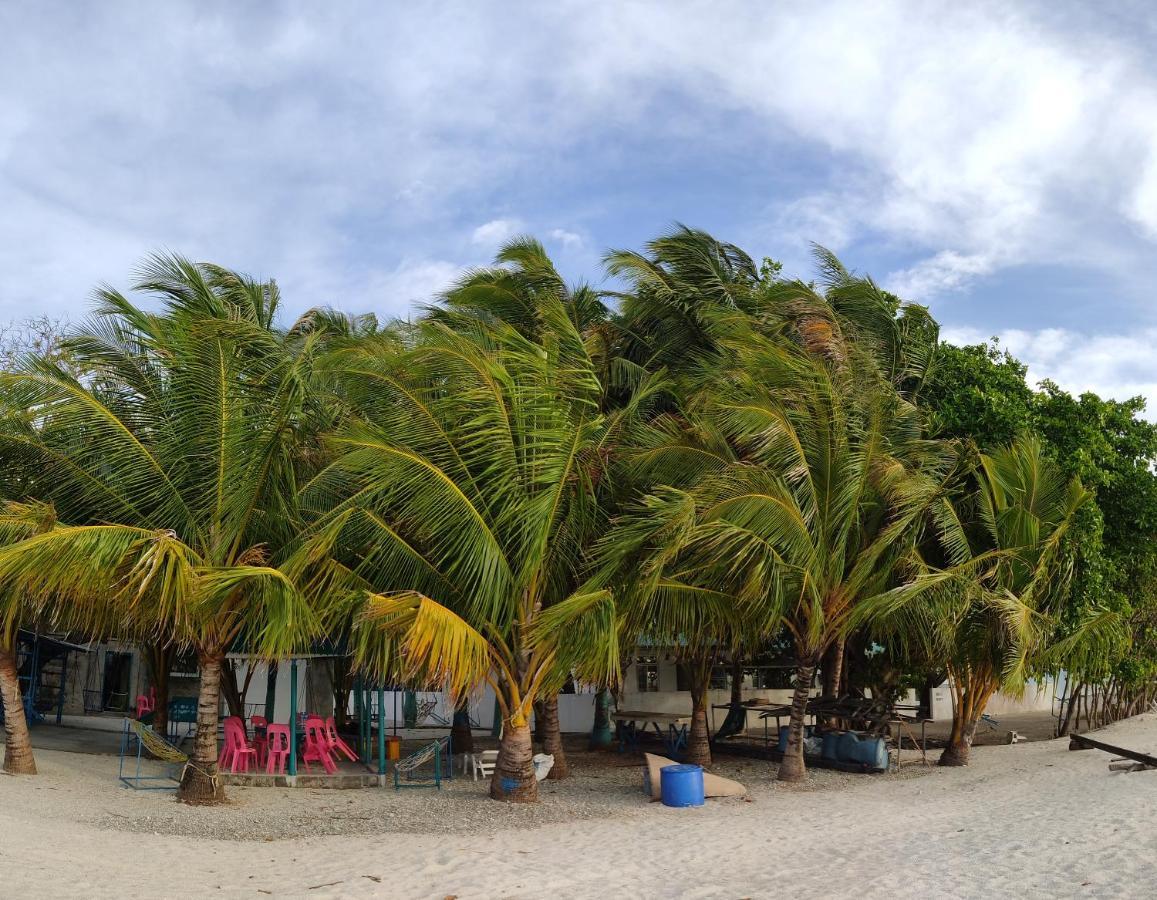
1089 743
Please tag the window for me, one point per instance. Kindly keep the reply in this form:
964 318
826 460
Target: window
647 672
720 678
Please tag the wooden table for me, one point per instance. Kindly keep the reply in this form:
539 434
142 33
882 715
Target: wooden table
630 725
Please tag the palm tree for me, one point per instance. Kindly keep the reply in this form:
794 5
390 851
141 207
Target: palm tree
17 522
677 591
173 467
815 473
456 515
993 614
524 291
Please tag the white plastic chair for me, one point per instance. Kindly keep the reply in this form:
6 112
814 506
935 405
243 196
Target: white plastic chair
484 763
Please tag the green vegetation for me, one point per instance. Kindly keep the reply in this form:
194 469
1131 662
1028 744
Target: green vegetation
531 479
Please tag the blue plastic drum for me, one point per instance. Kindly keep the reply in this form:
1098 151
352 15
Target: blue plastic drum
682 785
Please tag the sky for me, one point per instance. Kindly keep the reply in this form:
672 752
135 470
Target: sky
997 162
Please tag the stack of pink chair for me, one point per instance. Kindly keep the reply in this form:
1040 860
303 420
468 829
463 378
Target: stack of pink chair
146 703
336 744
237 753
260 737
276 749
317 748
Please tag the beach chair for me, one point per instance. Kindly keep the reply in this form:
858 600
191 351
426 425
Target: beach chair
276 749
260 740
238 753
483 763
317 746
144 706
336 744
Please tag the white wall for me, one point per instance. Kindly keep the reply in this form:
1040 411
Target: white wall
576 711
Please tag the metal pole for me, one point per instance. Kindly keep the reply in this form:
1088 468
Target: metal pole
293 717
33 676
63 682
359 711
367 731
381 730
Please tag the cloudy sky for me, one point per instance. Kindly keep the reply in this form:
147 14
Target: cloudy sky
997 163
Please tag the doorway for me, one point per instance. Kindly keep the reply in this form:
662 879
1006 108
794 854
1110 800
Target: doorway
118 669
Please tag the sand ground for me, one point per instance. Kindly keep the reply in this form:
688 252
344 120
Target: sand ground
1029 820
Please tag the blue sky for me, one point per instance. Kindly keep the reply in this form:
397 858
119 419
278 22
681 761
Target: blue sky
998 164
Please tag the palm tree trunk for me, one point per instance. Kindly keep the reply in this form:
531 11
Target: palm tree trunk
233 698
793 768
1074 692
699 740
736 679
201 782
18 758
552 739
539 722
833 667
461 736
513 779
965 717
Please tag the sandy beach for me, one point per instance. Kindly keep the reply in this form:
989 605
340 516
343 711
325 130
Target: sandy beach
1029 820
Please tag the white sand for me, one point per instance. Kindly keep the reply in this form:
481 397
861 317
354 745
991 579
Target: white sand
1030 820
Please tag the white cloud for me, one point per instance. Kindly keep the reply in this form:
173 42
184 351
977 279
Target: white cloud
1118 366
411 283
568 239
495 232
945 272
324 146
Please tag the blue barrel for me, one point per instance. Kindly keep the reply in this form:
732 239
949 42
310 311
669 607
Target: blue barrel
866 751
808 731
848 747
682 785
830 749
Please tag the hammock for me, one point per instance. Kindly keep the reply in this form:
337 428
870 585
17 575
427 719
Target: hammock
408 767
157 745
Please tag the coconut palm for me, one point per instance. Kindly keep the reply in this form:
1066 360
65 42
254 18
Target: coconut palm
524 291
677 592
18 521
814 474
173 467
993 615
456 515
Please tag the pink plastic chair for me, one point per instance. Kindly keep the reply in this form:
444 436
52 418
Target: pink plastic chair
260 736
317 746
277 749
336 744
145 705
239 753
225 757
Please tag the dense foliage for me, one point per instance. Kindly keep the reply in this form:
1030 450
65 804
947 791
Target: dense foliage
532 479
